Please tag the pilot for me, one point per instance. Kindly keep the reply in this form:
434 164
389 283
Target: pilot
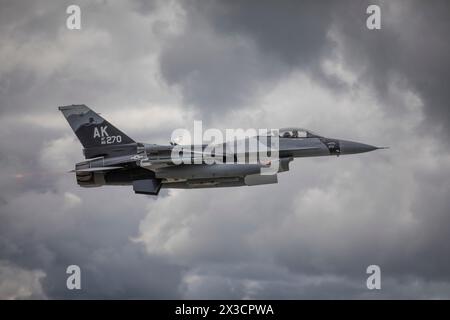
295 134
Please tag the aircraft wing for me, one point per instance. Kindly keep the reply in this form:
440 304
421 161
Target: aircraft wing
198 155
97 169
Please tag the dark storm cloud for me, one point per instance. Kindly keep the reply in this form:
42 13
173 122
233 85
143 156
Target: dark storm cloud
49 231
198 58
44 224
218 47
259 42
293 35
411 44
317 241
292 31
312 235
56 66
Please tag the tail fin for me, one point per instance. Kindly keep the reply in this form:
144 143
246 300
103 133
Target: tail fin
91 129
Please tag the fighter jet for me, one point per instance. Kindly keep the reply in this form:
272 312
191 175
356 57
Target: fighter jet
113 158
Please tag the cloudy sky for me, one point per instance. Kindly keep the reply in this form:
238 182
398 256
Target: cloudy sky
151 67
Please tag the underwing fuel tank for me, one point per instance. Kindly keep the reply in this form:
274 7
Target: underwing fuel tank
201 171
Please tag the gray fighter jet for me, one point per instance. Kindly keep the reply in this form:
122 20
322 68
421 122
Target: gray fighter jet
113 158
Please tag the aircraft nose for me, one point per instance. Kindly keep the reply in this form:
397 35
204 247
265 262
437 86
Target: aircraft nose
350 147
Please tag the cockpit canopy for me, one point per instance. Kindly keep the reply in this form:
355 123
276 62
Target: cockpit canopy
296 133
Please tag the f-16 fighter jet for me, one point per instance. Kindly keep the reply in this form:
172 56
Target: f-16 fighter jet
113 158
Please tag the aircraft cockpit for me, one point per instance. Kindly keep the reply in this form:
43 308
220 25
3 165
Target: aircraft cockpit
296 133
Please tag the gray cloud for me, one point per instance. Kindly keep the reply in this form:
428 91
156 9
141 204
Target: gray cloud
243 48
296 35
410 45
50 231
43 225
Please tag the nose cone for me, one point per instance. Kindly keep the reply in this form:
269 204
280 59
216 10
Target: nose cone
350 147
